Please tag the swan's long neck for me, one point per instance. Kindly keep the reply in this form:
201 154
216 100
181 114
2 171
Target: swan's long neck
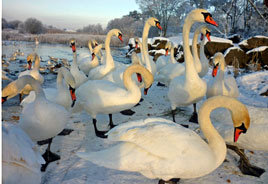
109 58
90 47
74 63
195 51
36 62
60 78
215 141
202 48
24 80
190 72
172 58
220 77
149 64
129 84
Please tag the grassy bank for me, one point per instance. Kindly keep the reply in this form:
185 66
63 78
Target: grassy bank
61 38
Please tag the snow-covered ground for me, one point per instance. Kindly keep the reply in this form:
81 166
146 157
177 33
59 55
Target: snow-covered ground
72 169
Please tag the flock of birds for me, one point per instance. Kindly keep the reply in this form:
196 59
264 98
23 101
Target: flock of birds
157 148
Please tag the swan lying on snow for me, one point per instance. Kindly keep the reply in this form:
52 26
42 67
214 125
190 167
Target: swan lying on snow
160 149
21 159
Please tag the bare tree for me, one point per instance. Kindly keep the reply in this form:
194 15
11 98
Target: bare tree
33 26
161 9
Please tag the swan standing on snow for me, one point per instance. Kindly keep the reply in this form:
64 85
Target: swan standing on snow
34 73
41 119
161 149
221 85
88 64
189 88
102 96
21 159
78 75
62 95
100 71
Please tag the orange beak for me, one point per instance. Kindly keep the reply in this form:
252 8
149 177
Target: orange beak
166 52
237 133
120 38
214 71
73 48
159 27
210 20
136 45
139 77
146 91
4 99
72 92
208 36
29 65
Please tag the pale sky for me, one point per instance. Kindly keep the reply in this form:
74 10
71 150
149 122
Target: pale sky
70 14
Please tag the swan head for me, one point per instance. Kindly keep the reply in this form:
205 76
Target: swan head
137 42
241 120
217 58
117 33
30 59
202 15
168 46
72 45
95 43
154 22
205 31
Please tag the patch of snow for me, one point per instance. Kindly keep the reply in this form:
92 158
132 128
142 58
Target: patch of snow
219 40
231 48
260 36
244 42
258 49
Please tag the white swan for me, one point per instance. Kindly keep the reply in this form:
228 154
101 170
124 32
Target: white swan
21 159
87 64
78 75
161 149
61 95
200 66
221 85
85 55
102 96
149 63
42 119
100 71
34 73
164 60
189 88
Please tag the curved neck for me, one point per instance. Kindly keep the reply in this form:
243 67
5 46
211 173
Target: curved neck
36 62
24 80
74 59
129 84
90 46
172 58
202 48
190 68
195 51
149 64
109 58
59 78
215 141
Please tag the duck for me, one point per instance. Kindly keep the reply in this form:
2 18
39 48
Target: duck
88 64
160 149
21 159
41 119
221 85
201 65
78 75
189 88
105 97
100 71
34 72
62 95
